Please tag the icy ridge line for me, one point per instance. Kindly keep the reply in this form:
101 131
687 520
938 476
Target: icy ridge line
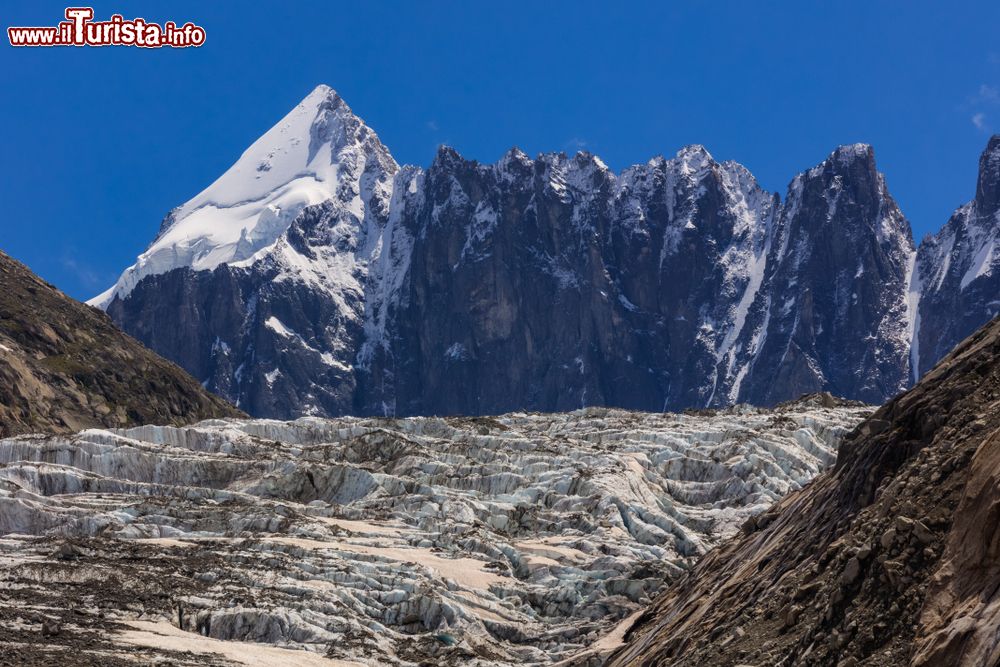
715 285
246 210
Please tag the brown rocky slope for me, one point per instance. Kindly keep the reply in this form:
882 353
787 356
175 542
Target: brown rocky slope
64 366
891 558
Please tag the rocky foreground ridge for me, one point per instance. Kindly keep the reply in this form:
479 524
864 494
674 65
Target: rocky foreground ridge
65 366
892 558
520 539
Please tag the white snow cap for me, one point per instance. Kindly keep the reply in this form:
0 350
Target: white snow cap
303 160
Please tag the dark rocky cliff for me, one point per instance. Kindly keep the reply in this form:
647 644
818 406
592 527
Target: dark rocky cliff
955 274
548 283
551 284
891 558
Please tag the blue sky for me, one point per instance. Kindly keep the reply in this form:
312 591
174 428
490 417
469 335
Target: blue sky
98 144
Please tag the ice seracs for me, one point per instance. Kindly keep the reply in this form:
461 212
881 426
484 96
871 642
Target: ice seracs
518 539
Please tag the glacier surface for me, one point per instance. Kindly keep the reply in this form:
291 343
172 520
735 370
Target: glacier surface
518 539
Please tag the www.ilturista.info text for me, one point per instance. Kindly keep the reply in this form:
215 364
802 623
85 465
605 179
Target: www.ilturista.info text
81 30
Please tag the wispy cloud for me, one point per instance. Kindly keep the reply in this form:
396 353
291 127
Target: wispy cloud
432 125
982 105
87 277
989 94
575 144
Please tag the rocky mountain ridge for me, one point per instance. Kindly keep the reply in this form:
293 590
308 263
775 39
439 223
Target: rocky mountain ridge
318 277
891 558
954 274
65 366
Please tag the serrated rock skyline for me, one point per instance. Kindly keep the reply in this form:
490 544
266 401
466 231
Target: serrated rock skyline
318 277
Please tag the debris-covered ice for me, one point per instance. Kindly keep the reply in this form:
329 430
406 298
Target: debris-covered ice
519 539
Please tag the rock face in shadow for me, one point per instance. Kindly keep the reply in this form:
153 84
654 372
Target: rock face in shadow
891 558
958 269
678 283
519 539
317 277
65 366
839 266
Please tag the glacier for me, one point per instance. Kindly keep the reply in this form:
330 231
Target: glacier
516 539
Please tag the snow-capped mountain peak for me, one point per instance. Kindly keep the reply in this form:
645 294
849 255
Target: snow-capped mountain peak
319 151
284 153
317 277
693 159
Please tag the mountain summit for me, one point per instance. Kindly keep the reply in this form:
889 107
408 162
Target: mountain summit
957 276
319 152
316 276
988 186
